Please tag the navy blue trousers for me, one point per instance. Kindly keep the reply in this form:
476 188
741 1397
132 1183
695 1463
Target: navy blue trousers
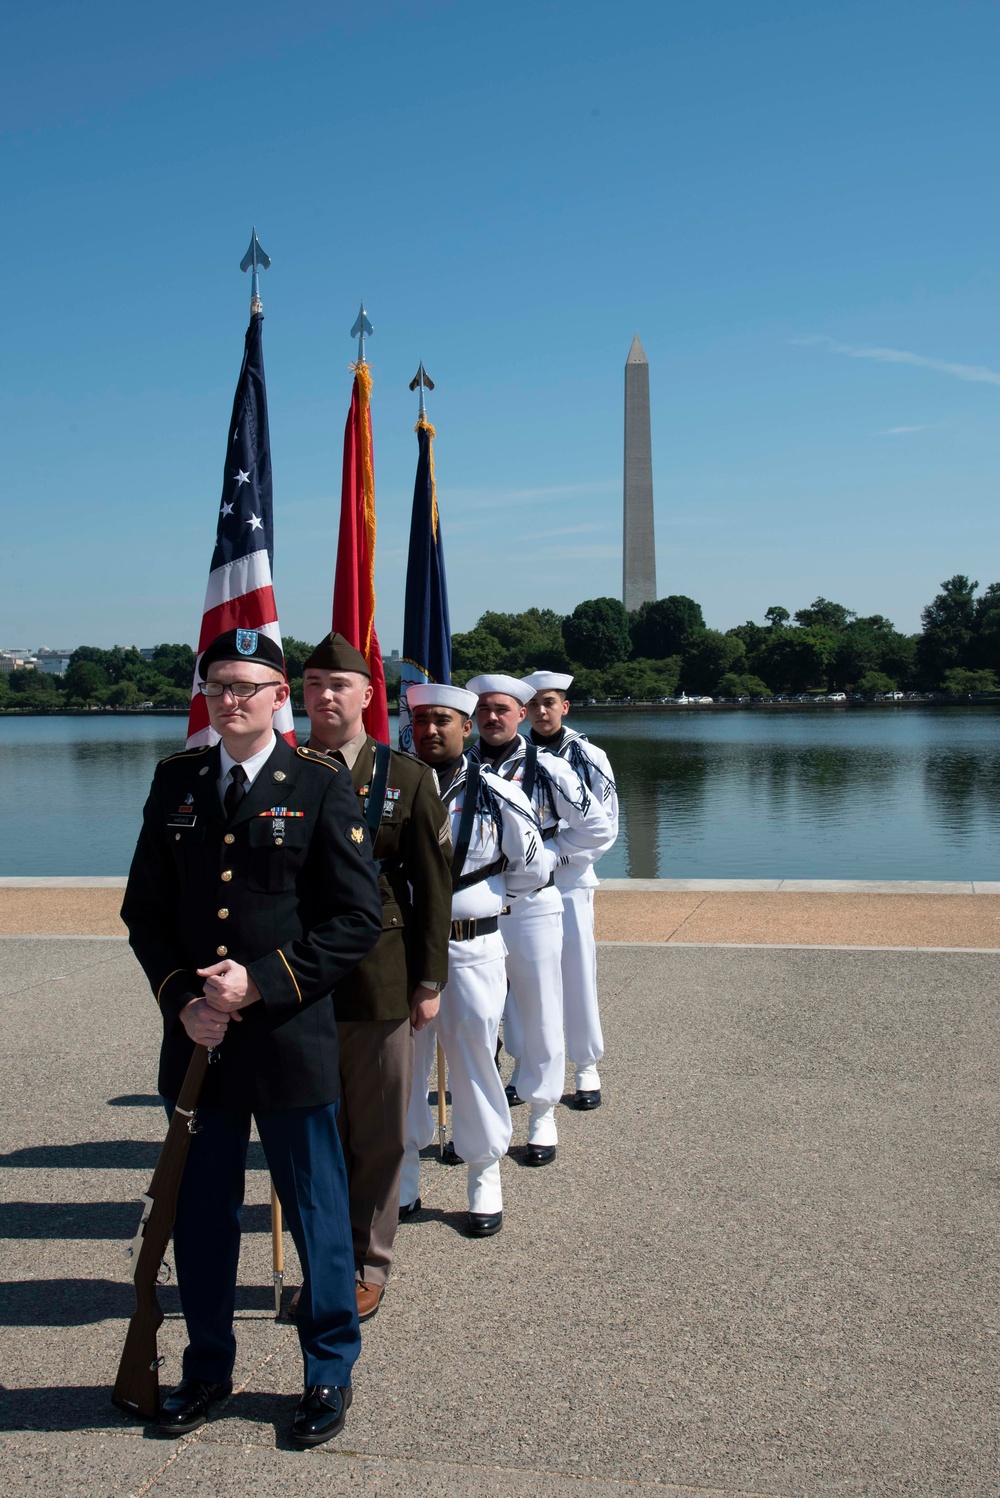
306 1162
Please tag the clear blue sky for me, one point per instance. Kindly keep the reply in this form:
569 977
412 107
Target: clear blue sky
795 204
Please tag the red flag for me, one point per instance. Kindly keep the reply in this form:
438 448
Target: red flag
354 581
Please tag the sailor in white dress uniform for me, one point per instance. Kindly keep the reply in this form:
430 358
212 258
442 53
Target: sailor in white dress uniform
576 880
498 846
574 825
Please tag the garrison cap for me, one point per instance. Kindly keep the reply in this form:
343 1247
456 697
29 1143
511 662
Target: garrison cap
548 681
438 694
243 645
509 686
337 654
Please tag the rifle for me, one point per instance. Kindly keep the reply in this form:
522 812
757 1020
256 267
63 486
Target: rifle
137 1387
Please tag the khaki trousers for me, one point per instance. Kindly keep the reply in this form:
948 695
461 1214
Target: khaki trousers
376 1069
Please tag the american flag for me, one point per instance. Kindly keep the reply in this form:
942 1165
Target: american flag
239 593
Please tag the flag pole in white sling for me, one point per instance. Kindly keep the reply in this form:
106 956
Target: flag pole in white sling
255 260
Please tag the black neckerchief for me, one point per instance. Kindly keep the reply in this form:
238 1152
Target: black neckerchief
553 742
496 756
446 772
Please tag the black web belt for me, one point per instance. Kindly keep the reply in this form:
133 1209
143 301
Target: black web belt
477 926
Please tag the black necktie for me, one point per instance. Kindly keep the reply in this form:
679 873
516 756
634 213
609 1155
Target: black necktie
235 790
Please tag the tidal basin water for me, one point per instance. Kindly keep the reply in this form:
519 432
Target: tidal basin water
882 793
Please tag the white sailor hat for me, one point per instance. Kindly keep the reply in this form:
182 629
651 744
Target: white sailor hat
548 681
508 685
439 694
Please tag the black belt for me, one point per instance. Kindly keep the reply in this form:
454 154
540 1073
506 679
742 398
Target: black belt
481 926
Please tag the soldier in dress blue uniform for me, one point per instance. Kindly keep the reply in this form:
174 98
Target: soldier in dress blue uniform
251 893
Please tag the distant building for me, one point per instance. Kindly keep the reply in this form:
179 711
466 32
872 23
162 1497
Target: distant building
392 666
53 665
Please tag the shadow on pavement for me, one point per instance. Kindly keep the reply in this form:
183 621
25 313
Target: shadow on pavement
111 1220
455 1220
103 1154
81 1302
89 1407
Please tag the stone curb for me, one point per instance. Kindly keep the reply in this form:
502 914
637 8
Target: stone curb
648 886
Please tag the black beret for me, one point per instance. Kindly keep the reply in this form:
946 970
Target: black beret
243 645
337 654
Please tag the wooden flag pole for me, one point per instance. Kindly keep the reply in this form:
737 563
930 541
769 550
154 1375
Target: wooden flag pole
442 1099
277 1252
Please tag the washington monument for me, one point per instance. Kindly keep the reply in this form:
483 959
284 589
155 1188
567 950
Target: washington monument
638 545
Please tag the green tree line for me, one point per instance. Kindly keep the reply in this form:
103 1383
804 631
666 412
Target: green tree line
661 650
664 648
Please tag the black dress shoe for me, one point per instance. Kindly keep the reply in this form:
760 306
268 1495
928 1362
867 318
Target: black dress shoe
320 1416
408 1209
584 1101
188 1406
450 1155
540 1154
484 1224
510 1093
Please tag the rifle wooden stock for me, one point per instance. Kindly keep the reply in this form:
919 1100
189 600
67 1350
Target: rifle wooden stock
137 1387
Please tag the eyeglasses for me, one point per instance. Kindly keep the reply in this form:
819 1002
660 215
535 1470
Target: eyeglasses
238 689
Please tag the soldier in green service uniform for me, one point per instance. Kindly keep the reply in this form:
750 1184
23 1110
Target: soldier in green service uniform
398 984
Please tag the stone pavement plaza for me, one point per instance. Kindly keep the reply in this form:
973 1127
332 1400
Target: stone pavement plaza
766 1266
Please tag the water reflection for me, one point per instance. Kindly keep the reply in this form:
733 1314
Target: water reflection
963 788
899 795
806 796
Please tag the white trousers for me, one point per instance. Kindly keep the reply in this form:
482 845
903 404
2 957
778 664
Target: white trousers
420 1121
581 1015
468 1024
533 1016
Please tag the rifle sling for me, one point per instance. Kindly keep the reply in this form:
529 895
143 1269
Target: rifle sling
375 801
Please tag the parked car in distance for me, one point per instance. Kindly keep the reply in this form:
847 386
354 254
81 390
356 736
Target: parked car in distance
837 697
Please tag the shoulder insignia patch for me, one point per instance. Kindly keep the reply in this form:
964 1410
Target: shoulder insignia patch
357 835
186 753
317 759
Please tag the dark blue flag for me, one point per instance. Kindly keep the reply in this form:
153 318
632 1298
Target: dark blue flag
426 623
